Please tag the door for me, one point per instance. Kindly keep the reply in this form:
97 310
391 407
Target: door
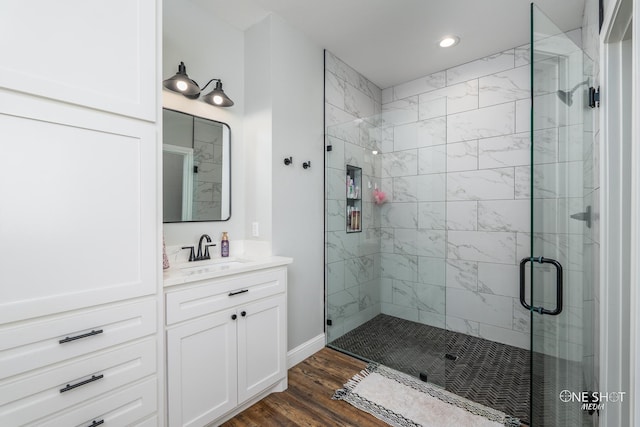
78 164
262 334
555 283
202 368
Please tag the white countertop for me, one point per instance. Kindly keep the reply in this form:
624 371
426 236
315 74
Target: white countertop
219 267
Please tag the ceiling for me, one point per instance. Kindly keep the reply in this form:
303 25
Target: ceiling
395 41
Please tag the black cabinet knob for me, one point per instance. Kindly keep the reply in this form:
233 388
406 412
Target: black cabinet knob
234 317
244 313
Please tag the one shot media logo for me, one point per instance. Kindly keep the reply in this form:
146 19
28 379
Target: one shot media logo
592 400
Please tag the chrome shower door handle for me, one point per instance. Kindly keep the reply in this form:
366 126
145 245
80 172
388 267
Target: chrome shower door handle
542 310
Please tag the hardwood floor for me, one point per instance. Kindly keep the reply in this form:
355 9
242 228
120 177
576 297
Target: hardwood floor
307 401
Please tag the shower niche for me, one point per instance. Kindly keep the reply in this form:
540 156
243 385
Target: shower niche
354 199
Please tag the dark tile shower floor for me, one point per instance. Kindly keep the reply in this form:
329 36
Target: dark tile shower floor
486 372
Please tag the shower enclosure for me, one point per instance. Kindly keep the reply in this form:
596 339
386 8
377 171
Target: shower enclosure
443 209
562 206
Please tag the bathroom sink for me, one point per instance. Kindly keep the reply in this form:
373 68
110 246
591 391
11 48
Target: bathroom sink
197 271
210 266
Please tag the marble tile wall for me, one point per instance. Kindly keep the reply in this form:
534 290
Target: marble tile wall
459 202
458 168
353 262
454 155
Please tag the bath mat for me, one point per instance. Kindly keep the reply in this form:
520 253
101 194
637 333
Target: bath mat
404 401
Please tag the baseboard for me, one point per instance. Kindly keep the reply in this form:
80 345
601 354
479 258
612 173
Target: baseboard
305 350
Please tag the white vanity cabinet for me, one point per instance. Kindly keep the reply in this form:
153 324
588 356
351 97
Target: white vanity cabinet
226 344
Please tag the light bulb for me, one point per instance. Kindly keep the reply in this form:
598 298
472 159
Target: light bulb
449 41
217 99
181 85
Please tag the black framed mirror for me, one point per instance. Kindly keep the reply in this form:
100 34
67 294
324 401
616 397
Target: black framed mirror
196 162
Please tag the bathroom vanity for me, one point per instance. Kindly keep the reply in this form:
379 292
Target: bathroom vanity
226 337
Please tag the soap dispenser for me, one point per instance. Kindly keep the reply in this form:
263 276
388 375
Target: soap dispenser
224 245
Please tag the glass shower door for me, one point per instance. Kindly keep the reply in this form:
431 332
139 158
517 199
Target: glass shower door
555 286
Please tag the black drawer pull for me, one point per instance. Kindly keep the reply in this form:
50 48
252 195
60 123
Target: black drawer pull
238 292
77 337
81 383
96 423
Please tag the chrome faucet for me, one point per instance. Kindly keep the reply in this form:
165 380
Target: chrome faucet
202 256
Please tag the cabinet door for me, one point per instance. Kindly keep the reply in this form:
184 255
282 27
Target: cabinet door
72 52
78 105
79 226
202 367
262 346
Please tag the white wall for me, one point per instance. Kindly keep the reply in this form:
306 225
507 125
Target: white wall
210 48
298 208
275 76
258 130
284 82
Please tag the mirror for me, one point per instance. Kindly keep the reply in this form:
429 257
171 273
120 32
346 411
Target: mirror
196 162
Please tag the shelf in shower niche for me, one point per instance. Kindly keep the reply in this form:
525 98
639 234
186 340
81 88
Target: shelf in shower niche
353 214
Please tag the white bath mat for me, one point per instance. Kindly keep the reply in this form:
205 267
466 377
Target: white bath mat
401 400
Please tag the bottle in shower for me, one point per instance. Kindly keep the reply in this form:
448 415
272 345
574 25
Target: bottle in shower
224 245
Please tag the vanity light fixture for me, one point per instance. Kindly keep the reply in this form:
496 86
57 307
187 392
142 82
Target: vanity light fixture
449 41
217 96
181 83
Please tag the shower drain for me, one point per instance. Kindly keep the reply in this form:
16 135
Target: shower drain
451 356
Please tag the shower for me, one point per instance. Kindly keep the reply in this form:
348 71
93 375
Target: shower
480 170
567 96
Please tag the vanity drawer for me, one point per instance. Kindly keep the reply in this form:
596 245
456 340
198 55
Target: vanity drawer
49 340
50 390
125 407
218 294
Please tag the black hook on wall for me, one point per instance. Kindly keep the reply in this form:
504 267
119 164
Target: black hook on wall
306 165
288 160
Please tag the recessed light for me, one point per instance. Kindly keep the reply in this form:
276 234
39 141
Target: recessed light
449 41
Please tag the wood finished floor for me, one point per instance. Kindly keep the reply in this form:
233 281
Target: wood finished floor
307 401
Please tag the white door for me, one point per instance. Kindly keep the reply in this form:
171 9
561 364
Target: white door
262 334
202 369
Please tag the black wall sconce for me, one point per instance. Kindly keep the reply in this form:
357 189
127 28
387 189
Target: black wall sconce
288 160
181 83
306 165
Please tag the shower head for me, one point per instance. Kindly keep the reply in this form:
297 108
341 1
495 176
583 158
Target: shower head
567 96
